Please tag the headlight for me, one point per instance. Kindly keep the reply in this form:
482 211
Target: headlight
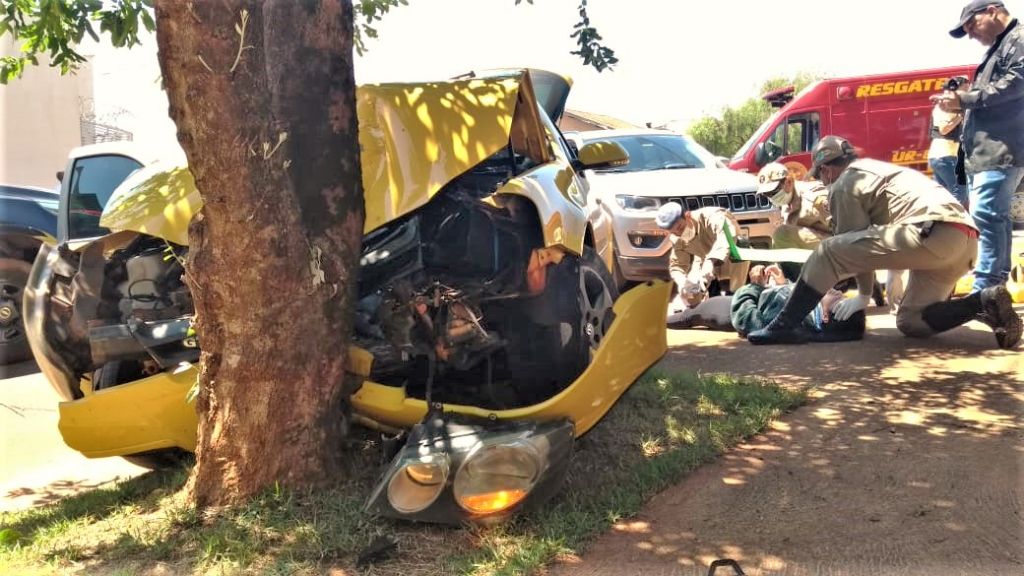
451 472
641 203
496 477
418 483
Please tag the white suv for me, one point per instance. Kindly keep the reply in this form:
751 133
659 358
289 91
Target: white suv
664 167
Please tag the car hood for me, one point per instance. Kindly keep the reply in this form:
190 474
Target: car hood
666 183
414 139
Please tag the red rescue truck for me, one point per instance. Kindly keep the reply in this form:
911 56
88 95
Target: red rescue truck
885 116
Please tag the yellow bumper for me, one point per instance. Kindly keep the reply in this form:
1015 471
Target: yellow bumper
147 414
152 413
636 340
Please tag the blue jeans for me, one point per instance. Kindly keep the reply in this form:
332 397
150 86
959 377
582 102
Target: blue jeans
944 169
991 192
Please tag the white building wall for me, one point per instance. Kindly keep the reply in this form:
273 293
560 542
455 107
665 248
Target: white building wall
39 121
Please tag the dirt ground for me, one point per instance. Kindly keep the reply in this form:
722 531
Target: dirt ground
906 461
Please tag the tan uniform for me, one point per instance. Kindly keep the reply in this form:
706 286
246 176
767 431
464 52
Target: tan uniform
695 258
806 224
889 217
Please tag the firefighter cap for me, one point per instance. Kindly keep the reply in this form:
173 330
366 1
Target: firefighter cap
771 177
668 215
973 7
828 149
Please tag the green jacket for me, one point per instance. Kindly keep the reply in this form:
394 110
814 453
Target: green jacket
754 306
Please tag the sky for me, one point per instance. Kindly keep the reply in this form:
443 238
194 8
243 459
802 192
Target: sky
678 59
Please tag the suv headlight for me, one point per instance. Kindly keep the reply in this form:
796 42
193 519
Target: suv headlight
501 467
640 203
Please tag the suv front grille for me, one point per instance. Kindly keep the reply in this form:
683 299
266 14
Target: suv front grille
735 202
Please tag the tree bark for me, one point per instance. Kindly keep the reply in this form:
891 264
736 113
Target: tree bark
263 96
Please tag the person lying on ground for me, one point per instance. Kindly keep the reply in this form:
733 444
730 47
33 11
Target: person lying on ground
755 305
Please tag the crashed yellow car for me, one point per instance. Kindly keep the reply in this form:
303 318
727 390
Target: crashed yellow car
488 330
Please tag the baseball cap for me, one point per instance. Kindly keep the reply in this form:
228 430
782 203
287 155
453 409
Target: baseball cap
972 8
668 214
828 149
771 177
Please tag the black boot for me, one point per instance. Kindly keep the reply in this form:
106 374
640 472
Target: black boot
836 330
876 294
942 316
787 327
997 312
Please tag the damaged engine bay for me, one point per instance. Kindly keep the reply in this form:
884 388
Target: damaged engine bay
459 301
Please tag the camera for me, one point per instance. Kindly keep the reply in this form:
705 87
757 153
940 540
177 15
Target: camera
954 83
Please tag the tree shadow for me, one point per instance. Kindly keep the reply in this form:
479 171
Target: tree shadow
907 459
97 501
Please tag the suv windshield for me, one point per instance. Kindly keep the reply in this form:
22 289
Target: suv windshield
661 152
93 180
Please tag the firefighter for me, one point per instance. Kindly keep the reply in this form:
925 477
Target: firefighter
889 217
700 249
804 206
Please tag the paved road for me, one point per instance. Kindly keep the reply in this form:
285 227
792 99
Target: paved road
909 460
35 465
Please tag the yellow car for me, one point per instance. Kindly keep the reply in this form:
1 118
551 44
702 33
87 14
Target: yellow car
487 326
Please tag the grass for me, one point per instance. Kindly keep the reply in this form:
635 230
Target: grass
664 427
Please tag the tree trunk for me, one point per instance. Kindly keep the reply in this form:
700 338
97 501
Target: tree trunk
263 97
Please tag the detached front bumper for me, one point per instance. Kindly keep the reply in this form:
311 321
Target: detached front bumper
149 414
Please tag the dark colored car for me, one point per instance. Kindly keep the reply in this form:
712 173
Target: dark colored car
28 218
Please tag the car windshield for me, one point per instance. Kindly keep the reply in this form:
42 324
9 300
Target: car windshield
755 137
661 152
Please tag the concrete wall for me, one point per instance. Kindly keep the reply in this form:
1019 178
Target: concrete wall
39 121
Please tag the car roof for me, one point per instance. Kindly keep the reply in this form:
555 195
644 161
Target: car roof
28 192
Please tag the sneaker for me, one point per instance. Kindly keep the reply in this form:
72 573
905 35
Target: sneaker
997 311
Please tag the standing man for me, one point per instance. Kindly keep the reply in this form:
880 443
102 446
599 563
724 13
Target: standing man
947 128
804 206
889 217
700 249
993 136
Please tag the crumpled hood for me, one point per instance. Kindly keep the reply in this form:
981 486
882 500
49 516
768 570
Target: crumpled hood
415 138
668 183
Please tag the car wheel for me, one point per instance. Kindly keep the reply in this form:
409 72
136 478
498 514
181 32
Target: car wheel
557 339
13 342
598 292
586 313
1017 207
116 372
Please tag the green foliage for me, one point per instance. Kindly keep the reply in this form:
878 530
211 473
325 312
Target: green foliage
56 28
724 134
591 50
370 11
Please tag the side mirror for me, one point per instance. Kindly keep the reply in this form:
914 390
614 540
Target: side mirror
760 156
60 176
602 154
